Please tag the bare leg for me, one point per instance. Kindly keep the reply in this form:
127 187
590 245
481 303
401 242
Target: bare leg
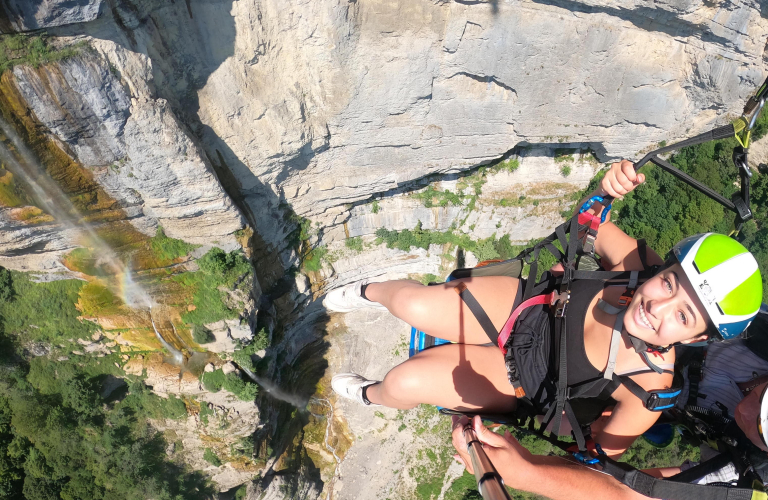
461 377
440 312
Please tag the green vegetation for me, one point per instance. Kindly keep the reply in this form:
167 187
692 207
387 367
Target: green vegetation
426 279
313 260
41 311
166 248
6 285
434 198
375 208
485 249
219 271
468 188
355 244
216 380
243 355
506 166
565 170
202 335
58 437
241 492
213 381
210 456
33 50
564 155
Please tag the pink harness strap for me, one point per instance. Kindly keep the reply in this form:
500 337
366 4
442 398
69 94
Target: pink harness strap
507 329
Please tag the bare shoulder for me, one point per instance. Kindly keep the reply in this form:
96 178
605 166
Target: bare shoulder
620 252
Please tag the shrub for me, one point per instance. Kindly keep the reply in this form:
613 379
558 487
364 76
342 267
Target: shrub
355 243
375 208
260 340
565 170
213 381
243 389
6 285
313 261
506 166
210 456
241 492
202 335
243 359
485 250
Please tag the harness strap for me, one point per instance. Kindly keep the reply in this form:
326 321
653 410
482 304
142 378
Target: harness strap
642 250
671 490
704 468
477 311
657 400
613 350
610 309
506 330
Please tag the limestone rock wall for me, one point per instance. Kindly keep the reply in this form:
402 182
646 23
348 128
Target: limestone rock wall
314 106
137 148
25 15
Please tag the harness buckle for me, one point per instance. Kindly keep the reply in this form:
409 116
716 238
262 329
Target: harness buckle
559 302
626 297
588 242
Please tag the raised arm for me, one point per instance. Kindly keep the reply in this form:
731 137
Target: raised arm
618 251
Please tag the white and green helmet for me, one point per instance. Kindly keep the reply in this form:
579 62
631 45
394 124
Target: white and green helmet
725 277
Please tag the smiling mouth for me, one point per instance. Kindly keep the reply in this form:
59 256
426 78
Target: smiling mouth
643 318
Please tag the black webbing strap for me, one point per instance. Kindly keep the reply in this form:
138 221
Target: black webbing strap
703 188
532 272
597 275
694 473
477 311
671 490
656 400
555 413
642 252
719 133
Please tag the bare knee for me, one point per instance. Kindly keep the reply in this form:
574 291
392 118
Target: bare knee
410 303
404 385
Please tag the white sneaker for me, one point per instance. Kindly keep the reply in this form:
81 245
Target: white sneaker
349 298
350 386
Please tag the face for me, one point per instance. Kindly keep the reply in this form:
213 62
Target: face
747 413
665 310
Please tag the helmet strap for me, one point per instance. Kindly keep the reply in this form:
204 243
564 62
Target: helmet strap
642 347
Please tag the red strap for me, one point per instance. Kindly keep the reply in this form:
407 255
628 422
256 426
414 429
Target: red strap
589 445
586 218
507 329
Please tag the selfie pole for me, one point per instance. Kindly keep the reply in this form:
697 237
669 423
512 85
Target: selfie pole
489 482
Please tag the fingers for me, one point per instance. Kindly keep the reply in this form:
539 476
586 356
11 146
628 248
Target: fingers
458 424
621 179
487 436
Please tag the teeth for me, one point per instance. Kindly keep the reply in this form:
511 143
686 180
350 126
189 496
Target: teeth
644 318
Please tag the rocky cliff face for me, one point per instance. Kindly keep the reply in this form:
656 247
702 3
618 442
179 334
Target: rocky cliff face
203 116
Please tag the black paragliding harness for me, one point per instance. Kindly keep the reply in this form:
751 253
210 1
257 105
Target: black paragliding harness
579 262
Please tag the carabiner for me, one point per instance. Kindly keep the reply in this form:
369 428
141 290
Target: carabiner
588 204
